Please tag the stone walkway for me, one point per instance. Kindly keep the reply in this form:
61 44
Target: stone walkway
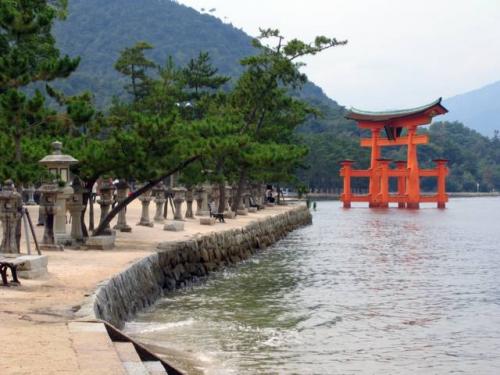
35 318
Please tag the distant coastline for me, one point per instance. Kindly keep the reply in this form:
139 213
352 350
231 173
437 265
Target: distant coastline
336 197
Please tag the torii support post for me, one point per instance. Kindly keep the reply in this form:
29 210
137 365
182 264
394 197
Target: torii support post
442 170
374 187
413 183
401 166
383 196
346 172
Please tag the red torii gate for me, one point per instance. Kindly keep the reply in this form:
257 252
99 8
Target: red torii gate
407 172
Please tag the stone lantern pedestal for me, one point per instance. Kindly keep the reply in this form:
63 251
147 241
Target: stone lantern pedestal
11 204
159 194
48 210
202 201
145 199
179 198
122 189
189 204
30 191
177 225
60 235
76 207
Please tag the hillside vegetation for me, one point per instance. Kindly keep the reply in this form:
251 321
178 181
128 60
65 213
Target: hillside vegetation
98 30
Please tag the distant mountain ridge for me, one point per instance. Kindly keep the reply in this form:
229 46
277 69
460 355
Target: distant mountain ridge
98 30
478 109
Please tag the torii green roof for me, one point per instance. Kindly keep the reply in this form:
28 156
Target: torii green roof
435 108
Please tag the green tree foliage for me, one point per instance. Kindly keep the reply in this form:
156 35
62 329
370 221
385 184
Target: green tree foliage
28 54
134 64
269 114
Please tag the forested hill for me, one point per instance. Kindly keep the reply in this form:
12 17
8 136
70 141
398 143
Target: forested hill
97 30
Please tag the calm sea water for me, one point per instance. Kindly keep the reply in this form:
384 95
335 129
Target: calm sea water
359 292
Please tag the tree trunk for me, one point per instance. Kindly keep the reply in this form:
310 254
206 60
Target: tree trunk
104 223
222 197
87 199
239 191
17 143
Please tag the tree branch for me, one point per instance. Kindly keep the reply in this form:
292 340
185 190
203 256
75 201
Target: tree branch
137 193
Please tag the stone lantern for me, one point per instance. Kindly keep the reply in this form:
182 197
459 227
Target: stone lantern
179 198
145 199
159 194
58 165
30 191
48 208
202 201
76 207
11 204
189 204
122 189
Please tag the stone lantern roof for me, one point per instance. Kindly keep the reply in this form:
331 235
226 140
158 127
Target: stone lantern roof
57 157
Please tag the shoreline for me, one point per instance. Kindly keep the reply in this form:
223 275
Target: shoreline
336 197
41 319
176 264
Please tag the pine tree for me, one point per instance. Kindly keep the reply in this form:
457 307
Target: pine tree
28 54
134 64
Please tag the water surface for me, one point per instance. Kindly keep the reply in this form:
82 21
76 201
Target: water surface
359 292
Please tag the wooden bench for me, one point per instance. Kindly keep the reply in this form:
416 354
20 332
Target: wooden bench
252 202
9 264
219 216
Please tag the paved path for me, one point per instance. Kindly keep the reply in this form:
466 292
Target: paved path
35 330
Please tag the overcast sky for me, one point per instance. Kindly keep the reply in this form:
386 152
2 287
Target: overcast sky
401 53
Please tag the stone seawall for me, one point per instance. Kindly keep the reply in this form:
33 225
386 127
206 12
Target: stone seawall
176 264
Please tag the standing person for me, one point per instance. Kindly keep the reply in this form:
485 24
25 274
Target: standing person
269 194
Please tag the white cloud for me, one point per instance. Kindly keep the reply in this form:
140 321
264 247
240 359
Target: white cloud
401 53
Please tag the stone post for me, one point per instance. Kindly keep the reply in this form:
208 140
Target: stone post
189 204
121 194
159 195
105 202
76 207
202 201
179 197
48 210
145 199
11 204
30 191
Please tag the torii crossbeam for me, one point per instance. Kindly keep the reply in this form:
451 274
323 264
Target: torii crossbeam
400 130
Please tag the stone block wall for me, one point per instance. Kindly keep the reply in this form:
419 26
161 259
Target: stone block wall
176 264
